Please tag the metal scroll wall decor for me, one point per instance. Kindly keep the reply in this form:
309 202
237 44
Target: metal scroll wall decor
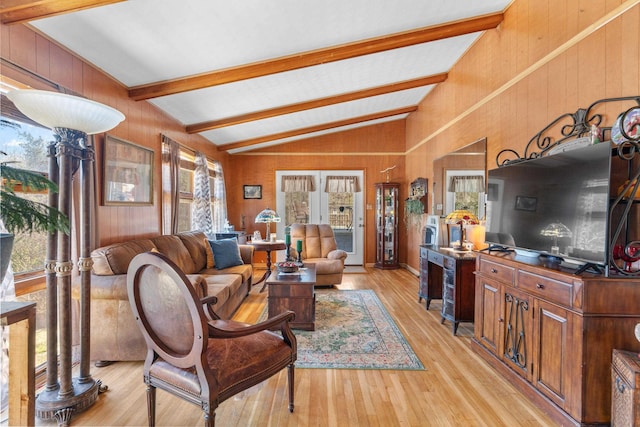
625 134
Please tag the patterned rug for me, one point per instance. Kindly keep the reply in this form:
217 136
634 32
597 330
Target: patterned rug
353 331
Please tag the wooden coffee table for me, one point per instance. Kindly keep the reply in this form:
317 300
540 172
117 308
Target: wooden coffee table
294 291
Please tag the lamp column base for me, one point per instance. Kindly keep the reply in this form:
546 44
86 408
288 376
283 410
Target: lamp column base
49 404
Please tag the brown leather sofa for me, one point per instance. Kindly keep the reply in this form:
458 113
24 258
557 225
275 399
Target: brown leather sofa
115 335
319 247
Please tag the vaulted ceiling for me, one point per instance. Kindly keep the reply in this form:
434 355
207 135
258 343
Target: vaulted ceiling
248 74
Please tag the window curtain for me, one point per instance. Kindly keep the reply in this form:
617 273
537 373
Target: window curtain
201 217
342 184
170 184
466 184
219 198
298 183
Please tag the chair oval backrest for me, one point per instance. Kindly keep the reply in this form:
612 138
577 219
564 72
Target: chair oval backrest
166 309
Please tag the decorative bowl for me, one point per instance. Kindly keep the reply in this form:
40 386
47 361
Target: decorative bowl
287 267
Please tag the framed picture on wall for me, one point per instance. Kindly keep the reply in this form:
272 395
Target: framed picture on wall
128 173
524 203
253 191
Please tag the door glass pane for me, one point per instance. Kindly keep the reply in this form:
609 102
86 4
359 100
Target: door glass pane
468 201
341 219
297 203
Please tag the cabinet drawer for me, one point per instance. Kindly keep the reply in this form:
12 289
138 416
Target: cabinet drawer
436 258
497 271
449 263
447 292
447 308
292 290
549 289
424 253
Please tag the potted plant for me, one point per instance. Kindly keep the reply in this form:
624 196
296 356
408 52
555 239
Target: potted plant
21 215
413 210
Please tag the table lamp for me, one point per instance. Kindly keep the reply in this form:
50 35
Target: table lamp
268 216
556 230
461 217
72 118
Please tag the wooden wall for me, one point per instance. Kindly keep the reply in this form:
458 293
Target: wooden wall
143 124
370 149
545 59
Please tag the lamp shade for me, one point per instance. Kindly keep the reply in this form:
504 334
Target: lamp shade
59 110
268 215
461 216
556 229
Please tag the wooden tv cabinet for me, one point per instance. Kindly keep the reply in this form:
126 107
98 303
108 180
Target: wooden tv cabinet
552 333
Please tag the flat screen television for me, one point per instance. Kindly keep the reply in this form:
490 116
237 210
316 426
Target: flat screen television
570 188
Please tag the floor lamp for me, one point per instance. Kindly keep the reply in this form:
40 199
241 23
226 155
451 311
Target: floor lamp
71 118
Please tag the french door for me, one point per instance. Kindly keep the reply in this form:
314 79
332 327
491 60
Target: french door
304 200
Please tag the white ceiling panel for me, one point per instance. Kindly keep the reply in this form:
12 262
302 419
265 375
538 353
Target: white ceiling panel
315 82
165 43
141 41
323 132
316 116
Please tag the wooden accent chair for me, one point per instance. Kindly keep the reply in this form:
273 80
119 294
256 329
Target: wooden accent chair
192 354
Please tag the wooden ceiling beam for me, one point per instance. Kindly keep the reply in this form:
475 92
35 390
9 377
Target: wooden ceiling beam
316 57
21 11
317 128
316 103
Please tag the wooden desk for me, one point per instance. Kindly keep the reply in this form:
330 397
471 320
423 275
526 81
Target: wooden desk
295 292
21 319
448 275
265 246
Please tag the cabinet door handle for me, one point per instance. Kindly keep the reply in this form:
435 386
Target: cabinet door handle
494 271
620 385
539 286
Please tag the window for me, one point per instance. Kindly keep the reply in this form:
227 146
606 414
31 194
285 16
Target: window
186 188
26 144
465 190
185 195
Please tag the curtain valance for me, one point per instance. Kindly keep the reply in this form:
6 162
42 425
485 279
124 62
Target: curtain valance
342 184
466 184
298 183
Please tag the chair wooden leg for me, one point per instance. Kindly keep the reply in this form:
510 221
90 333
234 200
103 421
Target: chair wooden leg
209 419
291 371
151 405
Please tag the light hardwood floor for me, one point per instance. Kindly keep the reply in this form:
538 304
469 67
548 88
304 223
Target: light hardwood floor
457 388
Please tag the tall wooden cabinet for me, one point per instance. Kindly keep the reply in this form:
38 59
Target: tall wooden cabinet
552 333
387 225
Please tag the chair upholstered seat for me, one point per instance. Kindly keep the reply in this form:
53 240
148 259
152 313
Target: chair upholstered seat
247 357
191 352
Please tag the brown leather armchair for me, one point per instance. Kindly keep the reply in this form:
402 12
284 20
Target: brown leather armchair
319 247
190 352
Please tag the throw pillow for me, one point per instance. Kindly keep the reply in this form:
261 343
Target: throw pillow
226 253
209 252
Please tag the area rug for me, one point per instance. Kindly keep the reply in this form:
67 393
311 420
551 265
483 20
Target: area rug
353 330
